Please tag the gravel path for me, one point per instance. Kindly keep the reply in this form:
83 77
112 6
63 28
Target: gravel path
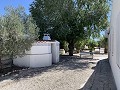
69 74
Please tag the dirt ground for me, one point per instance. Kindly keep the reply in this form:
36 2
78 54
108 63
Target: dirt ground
71 73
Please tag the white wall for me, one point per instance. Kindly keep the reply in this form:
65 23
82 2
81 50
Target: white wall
114 39
41 60
22 61
55 51
40 55
41 48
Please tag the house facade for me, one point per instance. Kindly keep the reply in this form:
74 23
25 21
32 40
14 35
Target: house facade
114 42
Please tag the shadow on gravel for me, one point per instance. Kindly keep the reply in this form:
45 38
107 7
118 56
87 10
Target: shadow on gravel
66 63
102 78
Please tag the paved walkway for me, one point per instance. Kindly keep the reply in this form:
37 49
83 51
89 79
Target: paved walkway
102 78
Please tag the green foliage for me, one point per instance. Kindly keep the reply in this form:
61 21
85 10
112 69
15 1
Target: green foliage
92 43
104 43
17 32
79 45
70 20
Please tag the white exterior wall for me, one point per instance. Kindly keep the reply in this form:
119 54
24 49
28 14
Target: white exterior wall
41 48
22 61
40 60
40 55
55 51
114 42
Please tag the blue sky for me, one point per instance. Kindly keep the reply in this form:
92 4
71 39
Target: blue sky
15 3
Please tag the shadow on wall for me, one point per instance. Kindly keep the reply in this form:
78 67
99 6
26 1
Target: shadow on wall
66 63
101 79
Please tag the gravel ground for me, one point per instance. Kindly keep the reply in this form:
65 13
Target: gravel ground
70 73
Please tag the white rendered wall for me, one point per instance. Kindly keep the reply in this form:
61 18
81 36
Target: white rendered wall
41 48
41 54
114 55
22 61
41 60
55 51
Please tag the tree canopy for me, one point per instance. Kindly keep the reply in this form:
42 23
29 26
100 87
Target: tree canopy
70 20
17 32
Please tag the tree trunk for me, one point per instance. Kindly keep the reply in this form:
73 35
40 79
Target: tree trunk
1 69
105 51
11 57
71 48
62 45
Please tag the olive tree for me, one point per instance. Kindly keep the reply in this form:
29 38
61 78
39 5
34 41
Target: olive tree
17 33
